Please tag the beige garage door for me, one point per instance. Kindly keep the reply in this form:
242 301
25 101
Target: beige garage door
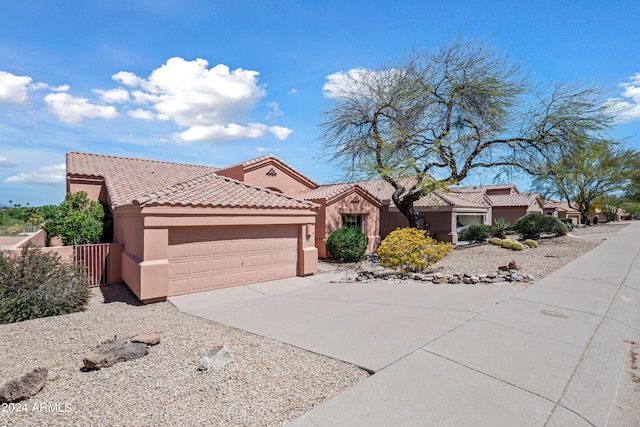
217 257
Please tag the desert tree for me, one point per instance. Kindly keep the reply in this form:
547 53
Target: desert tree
593 170
441 114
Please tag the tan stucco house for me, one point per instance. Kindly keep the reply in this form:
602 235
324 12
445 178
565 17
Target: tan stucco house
188 228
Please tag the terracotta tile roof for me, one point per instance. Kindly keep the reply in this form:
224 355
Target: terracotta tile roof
559 205
127 178
215 191
477 197
382 190
270 157
443 198
328 191
508 200
485 188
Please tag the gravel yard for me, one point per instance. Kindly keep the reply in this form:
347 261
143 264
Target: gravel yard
268 384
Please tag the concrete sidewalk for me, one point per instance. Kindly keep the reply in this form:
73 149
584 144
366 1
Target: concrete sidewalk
557 353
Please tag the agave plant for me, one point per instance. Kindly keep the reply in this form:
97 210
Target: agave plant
500 228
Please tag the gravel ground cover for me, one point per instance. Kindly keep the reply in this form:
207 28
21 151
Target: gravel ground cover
268 383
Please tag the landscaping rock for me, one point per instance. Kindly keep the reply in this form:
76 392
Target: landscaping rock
512 265
109 354
148 339
217 358
23 387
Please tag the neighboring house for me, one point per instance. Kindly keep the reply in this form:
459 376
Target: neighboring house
598 215
185 228
507 201
562 210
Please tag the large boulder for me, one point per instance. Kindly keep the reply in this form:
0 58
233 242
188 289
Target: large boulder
23 387
111 353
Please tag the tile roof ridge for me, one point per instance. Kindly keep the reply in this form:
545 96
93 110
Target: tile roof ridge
140 159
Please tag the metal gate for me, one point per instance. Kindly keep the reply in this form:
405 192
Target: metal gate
95 258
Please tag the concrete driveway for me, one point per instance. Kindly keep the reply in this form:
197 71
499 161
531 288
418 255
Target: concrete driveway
556 353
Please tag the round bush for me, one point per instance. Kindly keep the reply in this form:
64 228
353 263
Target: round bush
348 244
531 243
38 284
411 250
533 225
516 246
474 233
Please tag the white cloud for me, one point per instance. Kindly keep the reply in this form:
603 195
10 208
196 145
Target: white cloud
627 107
212 103
221 132
5 163
48 175
113 96
13 88
280 132
275 110
72 110
141 114
127 78
356 80
293 92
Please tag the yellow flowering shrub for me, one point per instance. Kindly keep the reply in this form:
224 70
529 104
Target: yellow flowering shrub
409 249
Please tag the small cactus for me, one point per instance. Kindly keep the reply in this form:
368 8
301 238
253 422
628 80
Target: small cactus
531 243
506 243
495 241
516 246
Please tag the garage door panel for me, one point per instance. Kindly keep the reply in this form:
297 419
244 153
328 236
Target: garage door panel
234 247
200 249
179 269
179 251
200 283
234 278
200 266
215 257
234 262
251 261
217 281
219 264
217 248
250 246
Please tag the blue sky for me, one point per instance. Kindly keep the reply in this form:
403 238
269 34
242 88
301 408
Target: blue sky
219 82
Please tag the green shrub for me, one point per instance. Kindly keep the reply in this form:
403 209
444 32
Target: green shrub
495 241
500 228
38 284
14 229
516 246
506 243
531 243
80 221
409 249
533 225
348 244
475 233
